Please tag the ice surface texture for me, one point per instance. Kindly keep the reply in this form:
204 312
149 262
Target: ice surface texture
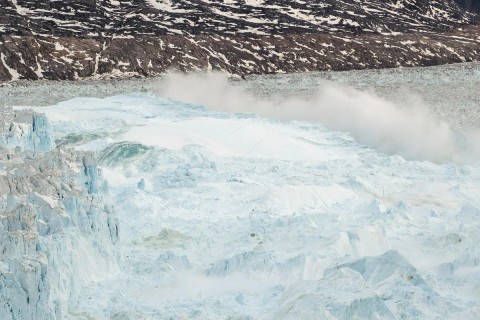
27 130
232 216
58 227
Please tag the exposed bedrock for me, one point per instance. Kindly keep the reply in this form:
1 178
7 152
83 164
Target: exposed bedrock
470 5
74 58
82 39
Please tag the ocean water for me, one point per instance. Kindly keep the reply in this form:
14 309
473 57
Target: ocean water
294 196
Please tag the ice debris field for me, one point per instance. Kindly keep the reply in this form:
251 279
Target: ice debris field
232 215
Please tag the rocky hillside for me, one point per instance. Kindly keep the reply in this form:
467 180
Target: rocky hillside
470 5
92 38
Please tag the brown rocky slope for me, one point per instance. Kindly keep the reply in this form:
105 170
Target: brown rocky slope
88 38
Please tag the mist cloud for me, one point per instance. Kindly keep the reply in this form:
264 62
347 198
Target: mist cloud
412 131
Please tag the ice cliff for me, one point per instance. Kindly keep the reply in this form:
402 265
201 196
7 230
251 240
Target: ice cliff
27 130
58 227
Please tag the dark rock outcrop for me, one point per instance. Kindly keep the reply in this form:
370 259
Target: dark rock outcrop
470 5
95 38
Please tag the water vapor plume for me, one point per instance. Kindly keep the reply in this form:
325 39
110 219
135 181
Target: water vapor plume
412 131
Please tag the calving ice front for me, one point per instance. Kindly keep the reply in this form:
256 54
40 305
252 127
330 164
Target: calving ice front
339 205
58 228
411 130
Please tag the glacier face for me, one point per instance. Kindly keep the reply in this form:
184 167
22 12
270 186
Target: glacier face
233 216
58 227
27 130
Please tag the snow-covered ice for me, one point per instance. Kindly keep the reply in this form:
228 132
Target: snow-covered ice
237 216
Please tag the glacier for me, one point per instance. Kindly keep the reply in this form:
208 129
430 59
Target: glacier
58 230
26 130
237 216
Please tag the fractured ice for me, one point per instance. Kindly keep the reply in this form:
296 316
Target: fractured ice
233 216
27 130
58 227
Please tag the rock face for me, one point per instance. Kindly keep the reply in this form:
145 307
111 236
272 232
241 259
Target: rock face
58 228
88 38
106 18
470 5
